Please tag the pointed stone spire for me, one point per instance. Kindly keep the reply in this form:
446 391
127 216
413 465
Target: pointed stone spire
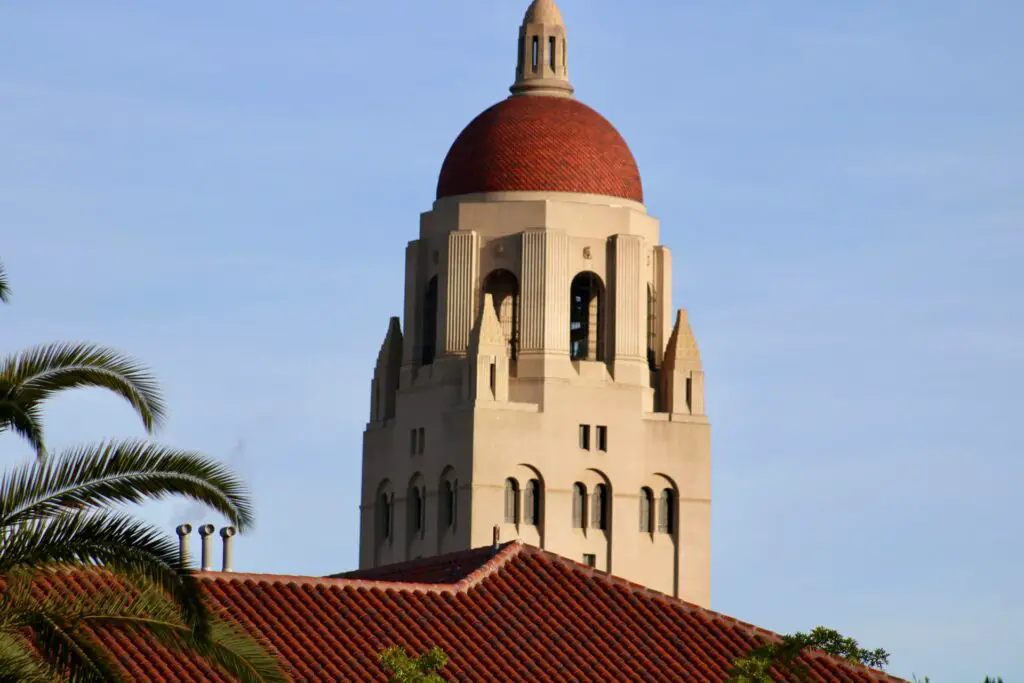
542 67
682 379
486 338
487 371
681 352
384 390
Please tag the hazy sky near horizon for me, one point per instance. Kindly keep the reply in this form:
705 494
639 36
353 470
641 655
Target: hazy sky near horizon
225 190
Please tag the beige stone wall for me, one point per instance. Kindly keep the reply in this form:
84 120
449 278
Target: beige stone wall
475 439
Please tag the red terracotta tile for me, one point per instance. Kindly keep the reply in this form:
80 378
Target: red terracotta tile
552 144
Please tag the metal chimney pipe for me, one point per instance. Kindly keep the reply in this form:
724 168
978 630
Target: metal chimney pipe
228 533
206 532
183 532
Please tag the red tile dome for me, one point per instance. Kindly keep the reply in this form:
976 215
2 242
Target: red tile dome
543 144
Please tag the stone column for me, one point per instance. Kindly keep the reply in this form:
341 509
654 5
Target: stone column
460 295
544 301
628 317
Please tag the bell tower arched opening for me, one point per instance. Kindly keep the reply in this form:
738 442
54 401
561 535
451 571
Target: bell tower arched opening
586 317
503 286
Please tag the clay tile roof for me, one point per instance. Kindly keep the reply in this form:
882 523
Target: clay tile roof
535 143
449 568
521 614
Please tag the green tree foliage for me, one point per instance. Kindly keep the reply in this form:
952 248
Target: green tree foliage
401 668
65 512
758 665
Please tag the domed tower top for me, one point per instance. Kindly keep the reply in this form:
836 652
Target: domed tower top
542 67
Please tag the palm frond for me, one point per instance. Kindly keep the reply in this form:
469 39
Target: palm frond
5 288
145 609
36 374
25 421
115 541
18 663
117 472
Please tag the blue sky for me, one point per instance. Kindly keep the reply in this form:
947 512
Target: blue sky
225 190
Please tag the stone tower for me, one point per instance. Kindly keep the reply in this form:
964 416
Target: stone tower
539 381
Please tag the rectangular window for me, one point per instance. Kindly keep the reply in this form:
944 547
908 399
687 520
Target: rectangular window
551 52
412 442
602 438
590 559
585 437
422 440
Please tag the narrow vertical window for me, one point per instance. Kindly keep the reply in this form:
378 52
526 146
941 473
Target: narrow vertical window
428 328
586 317
494 379
415 510
511 501
551 52
579 506
652 300
646 509
535 59
689 394
531 502
667 512
585 437
422 439
385 517
448 503
602 438
599 508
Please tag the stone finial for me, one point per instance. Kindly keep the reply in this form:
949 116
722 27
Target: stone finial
392 338
487 337
543 12
681 352
542 65
386 374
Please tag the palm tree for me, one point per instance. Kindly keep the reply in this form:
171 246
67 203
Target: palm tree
56 515
60 514
5 290
32 376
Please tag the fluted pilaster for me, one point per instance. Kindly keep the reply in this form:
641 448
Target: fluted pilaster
461 294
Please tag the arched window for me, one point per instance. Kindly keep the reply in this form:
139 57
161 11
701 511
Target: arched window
503 287
511 501
531 502
428 330
599 508
579 506
417 509
646 509
384 515
449 498
667 512
586 317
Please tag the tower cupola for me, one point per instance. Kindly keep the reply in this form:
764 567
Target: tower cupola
542 67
